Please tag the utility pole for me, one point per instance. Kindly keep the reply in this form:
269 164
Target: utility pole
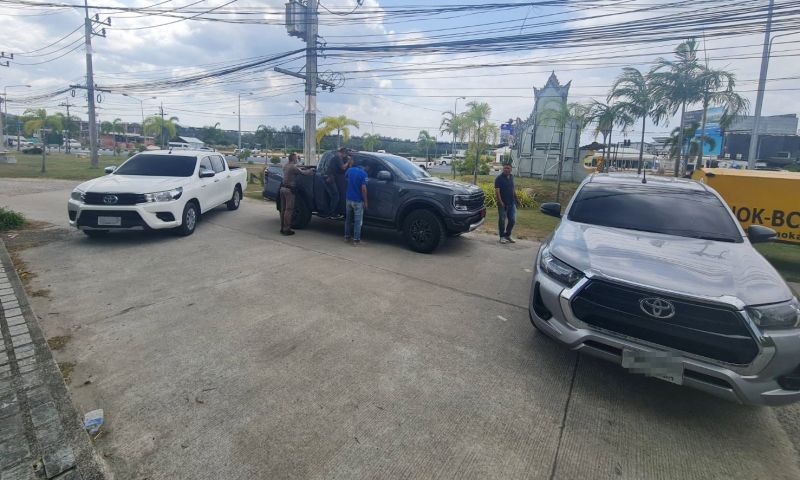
161 112
67 105
240 121
453 149
90 88
302 22
3 101
762 83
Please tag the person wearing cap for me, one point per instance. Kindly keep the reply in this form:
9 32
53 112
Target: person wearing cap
334 177
290 173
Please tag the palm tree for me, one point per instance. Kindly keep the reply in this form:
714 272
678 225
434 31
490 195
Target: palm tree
424 142
155 125
605 117
477 115
561 115
636 92
340 124
718 90
370 141
456 125
694 148
118 128
677 84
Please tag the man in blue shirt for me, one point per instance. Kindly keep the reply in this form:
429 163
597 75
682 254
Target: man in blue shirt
356 202
506 204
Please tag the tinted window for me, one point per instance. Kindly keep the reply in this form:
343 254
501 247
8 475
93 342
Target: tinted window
695 214
205 164
158 165
217 165
404 166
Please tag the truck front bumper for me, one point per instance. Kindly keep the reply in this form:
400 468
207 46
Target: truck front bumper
143 216
465 221
754 384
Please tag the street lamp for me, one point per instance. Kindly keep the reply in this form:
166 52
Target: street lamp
4 115
240 118
141 106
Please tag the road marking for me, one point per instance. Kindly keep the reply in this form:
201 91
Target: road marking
528 270
502 318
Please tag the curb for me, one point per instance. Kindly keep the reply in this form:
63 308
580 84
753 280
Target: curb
43 435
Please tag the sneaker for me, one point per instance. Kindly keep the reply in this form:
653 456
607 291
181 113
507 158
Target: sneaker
346 239
510 240
503 240
287 232
356 243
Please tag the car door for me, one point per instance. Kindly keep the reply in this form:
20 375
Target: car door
222 179
381 193
207 195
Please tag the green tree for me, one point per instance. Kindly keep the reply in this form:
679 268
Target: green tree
457 126
341 125
477 116
635 94
36 119
118 128
155 125
693 149
370 141
605 117
424 143
265 135
212 134
677 84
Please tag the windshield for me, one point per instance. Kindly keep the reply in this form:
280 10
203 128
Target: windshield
158 166
694 214
408 169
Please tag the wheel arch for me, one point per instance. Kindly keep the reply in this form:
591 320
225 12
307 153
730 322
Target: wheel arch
417 204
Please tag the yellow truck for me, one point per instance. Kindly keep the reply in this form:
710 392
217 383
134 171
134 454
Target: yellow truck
759 197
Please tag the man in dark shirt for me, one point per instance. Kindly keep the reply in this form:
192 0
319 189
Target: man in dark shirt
290 173
334 177
506 204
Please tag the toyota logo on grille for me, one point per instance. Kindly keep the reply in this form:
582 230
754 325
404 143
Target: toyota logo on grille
110 199
657 307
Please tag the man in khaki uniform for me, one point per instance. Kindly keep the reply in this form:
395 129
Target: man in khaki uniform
290 173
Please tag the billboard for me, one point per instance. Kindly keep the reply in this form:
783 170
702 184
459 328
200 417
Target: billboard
713 129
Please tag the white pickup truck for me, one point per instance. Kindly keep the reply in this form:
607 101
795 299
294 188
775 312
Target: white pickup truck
156 190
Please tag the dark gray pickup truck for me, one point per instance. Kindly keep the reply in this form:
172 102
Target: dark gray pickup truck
402 196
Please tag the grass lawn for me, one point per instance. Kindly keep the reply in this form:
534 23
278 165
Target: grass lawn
58 165
784 257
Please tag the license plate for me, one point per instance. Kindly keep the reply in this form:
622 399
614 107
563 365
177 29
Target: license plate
109 221
662 365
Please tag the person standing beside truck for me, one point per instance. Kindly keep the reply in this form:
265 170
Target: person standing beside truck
506 204
356 203
290 172
336 168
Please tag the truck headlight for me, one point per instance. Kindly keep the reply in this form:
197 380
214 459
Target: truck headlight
165 196
76 195
460 202
780 315
557 269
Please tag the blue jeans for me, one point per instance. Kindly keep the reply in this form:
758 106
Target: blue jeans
508 213
333 197
354 212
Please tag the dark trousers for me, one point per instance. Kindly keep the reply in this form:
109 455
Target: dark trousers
509 212
333 196
287 209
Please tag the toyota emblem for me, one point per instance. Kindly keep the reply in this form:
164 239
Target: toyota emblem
657 307
110 199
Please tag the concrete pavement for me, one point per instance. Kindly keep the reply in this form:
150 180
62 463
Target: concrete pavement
238 353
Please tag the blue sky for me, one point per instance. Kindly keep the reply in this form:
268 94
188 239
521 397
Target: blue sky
396 104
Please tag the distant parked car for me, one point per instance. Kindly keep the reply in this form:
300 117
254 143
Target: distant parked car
32 150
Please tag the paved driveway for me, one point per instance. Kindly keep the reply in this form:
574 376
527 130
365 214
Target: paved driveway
237 353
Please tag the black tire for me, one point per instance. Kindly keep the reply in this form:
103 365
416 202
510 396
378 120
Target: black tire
235 200
302 214
189 219
95 233
423 231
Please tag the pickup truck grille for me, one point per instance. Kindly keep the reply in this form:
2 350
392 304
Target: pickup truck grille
707 330
128 219
474 201
92 198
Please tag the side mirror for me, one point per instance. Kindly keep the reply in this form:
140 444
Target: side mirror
110 168
384 175
206 173
551 209
761 234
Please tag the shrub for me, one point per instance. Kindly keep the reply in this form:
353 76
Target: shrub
466 166
275 160
10 219
526 196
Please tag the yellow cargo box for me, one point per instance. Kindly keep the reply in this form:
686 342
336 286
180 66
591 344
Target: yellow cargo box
759 197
